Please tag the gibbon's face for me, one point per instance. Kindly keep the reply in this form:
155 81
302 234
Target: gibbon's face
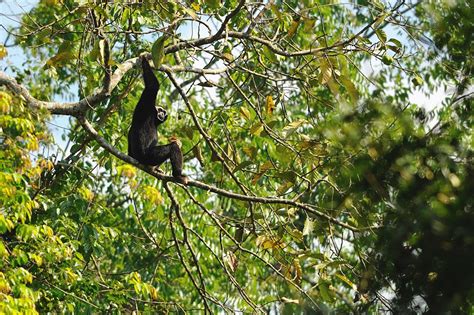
161 114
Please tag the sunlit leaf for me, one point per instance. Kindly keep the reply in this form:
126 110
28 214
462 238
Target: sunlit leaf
214 4
244 112
256 129
381 35
325 292
158 51
3 52
270 105
190 11
309 24
347 281
308 226
276 10
417 81
350 87
387 59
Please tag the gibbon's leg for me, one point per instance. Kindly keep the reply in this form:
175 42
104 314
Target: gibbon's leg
156 155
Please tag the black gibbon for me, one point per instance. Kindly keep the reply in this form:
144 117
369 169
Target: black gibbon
142 136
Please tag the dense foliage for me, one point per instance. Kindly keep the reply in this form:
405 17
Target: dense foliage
318 184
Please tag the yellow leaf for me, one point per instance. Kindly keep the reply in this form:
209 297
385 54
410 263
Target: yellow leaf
64 56
3 253
191 12
3 52
103 51
126 171
347 281
308 226
228 56
32 144
5 101
270 105
266 242
298 270
326 71
291 127
86 193
152 194
288 300
244 112
153 293
195 6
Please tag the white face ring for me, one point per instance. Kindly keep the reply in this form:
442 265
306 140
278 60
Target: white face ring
161 114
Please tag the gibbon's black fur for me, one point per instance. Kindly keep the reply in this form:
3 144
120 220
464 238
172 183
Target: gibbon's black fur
142 136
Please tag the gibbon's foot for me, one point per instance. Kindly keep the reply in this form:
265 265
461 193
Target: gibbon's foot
182 179
176 140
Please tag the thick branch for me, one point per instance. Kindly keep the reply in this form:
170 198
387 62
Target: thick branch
78 108
72 108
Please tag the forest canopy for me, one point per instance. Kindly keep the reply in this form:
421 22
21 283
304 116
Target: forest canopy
328 146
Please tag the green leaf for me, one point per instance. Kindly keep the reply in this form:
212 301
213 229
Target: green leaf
256 129
308 24
381 35
380 19
213 4
243 165
396 42
325 293
158 51
387 59
350 87
269 54
125 16
94 53
276 10
417 81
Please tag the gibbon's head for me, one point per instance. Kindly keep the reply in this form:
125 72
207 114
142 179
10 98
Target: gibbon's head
161 114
